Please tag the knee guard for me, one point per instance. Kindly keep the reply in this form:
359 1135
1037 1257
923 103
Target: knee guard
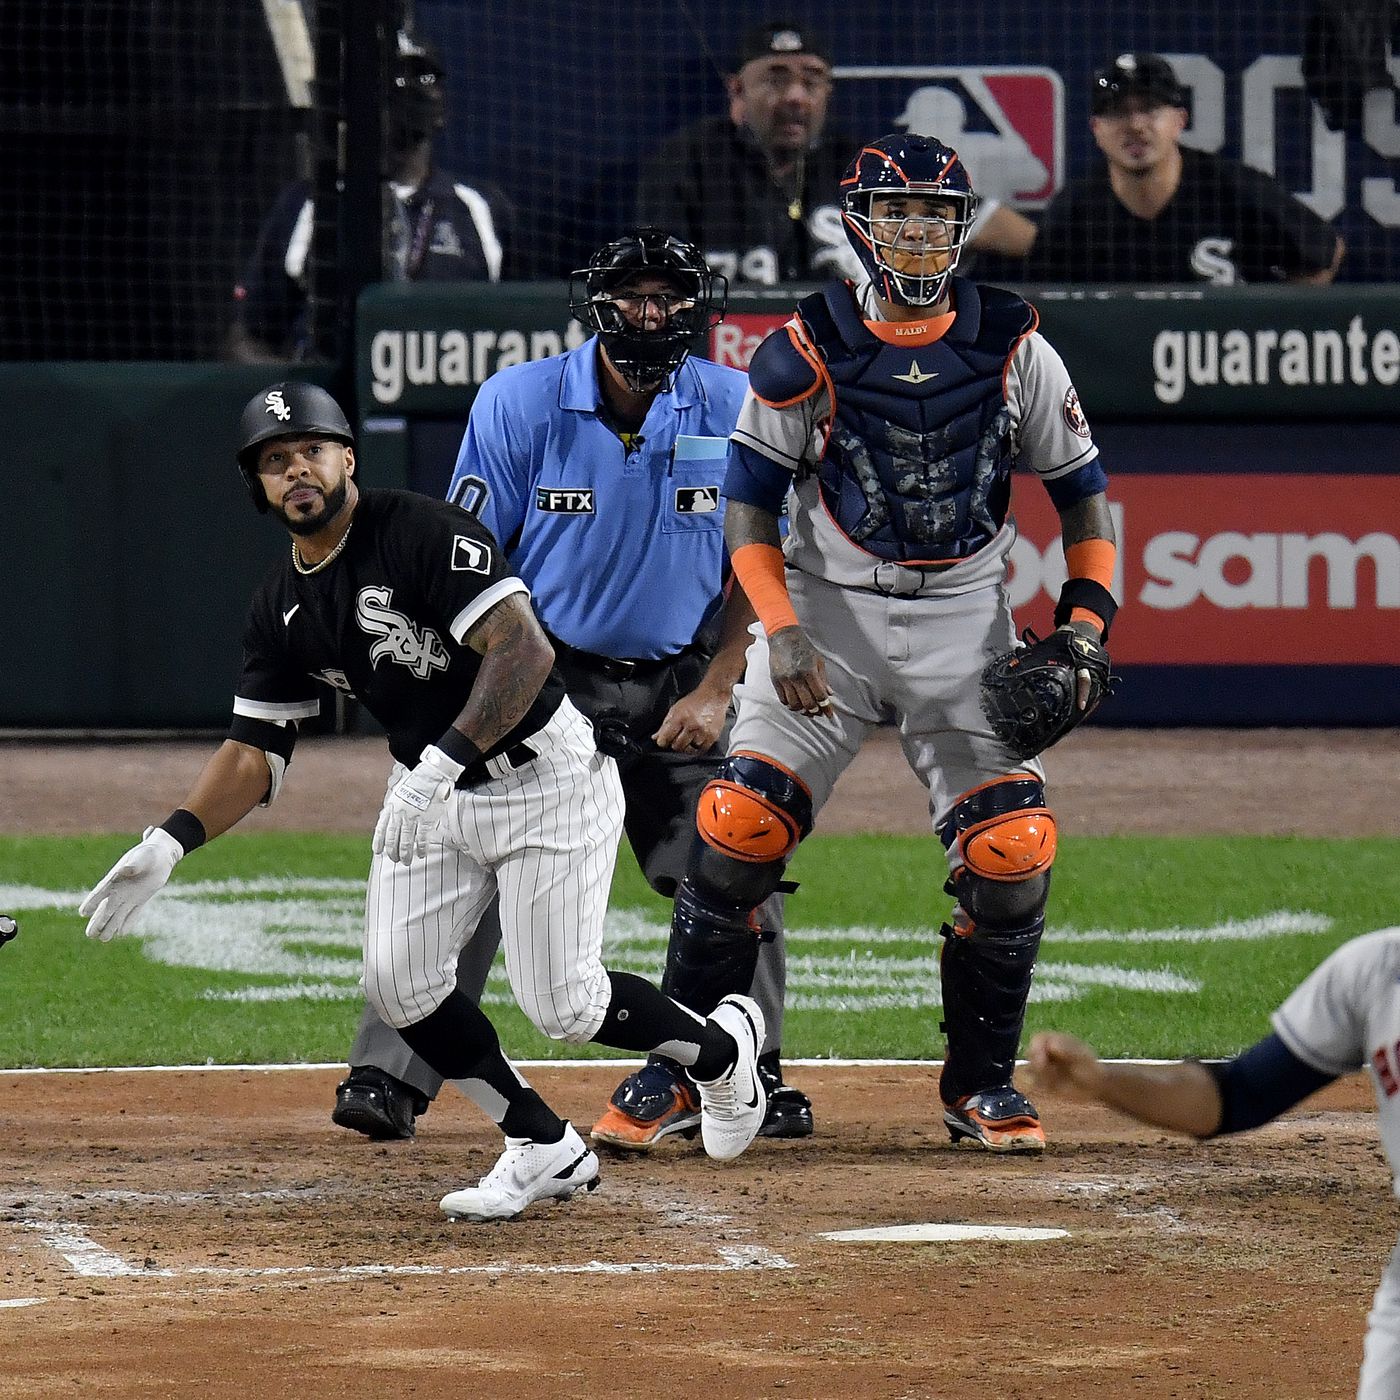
754 811
1005 837
750 817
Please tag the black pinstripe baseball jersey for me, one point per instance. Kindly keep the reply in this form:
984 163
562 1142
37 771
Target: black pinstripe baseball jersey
384 621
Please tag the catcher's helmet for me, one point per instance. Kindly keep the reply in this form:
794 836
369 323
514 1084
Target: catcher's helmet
907 164
286 410
646 357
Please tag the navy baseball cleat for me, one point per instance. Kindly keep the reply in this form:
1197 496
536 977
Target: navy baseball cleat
655 1102
376 1104
999 1120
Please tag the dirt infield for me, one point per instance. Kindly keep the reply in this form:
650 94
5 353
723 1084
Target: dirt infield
178 1234
214 1235
1175 781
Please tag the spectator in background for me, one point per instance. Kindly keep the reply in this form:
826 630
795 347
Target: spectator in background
1168 214
757 189
437 228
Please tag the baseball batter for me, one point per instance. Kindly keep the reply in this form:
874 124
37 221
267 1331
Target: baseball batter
889 417
601 469
497 790
1343 1017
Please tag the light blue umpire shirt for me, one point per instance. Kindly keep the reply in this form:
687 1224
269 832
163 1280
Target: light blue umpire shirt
621 546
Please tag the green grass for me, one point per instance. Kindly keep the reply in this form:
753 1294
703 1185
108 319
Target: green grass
65 1000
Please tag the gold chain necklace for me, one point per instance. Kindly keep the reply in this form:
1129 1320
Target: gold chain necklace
329 559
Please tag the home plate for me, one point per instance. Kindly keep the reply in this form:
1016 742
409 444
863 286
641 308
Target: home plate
907 1234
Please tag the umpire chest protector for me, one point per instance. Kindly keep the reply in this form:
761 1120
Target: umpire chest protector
917 466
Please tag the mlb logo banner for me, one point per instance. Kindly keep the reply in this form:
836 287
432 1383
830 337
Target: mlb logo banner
1007 123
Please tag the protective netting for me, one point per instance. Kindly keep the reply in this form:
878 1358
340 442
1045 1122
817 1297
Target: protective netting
150 143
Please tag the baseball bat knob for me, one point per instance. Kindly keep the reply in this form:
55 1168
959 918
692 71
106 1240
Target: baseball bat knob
8 929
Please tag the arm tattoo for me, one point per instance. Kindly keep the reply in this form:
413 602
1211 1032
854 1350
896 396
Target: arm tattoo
515 662
749 524
1086 520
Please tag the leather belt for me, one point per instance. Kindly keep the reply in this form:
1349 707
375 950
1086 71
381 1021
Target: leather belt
518 755
614 668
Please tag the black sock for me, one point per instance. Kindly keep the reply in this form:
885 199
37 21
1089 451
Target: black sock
460 1043
640 1017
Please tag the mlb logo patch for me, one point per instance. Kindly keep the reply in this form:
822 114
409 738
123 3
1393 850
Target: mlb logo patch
696 500
1007 123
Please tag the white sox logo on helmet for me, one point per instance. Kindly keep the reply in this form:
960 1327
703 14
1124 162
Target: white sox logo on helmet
420 649
277 406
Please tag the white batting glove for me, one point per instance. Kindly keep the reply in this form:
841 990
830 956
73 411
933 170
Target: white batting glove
123 891
414 809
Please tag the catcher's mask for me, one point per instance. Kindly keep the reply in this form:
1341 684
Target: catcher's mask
290 409
647 355
917 168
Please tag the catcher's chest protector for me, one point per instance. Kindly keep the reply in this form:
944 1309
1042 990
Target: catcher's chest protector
918 463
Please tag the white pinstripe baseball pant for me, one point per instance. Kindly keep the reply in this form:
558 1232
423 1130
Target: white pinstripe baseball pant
545 835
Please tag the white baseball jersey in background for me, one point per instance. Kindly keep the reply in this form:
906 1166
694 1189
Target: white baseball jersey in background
1344 1016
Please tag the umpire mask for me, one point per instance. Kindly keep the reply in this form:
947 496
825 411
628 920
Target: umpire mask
647 334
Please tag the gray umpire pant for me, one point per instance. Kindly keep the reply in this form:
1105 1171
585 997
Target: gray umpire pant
661 789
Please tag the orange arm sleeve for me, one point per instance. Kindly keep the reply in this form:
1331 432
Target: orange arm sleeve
1091 559
759 569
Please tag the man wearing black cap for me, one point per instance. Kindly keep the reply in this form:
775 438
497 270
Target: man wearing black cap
437 228
1171 214
756 189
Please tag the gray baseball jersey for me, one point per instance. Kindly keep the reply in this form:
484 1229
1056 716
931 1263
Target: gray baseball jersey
1344 1016
1050 437
900 641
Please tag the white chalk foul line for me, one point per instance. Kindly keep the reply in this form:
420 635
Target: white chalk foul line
732 1258
84 1255
89 1259
21 1302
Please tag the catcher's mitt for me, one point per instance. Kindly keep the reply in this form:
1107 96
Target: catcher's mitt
1030 695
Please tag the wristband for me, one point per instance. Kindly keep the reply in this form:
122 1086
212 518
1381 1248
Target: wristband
186 828
1087 595
1084 600
459 751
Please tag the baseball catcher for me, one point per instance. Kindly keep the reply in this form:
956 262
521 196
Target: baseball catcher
1033 696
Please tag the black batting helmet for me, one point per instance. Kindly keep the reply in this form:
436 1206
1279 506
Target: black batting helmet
646 358
285 410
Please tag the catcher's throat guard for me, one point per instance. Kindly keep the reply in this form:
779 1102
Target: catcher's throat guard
1030 696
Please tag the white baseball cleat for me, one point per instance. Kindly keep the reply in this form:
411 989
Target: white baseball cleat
732 1106
526 1172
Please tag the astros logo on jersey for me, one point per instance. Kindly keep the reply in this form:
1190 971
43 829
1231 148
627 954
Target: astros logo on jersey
1007 124
1074 415
277 406
420 649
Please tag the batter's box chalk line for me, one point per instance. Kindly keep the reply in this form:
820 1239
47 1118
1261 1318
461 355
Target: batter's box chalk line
88 1259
